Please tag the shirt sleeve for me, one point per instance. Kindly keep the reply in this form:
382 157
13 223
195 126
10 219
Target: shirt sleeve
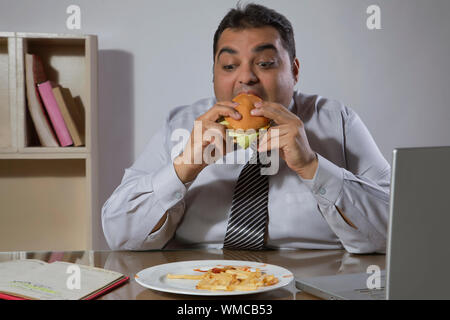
149 189
355 200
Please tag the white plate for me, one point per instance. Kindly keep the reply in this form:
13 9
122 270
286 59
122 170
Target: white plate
155 277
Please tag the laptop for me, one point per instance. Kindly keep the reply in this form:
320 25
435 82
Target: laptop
418 244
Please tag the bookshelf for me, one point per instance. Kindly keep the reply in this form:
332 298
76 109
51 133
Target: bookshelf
48 195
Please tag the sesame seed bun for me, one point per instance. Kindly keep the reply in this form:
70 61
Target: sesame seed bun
247 121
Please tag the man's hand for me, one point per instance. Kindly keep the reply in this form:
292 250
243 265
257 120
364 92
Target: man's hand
206 132
292 141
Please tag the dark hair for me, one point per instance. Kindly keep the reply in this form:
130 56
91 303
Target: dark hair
256 16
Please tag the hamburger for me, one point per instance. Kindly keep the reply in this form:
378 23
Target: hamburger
246 130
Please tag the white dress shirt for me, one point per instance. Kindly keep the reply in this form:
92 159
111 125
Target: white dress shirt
352 175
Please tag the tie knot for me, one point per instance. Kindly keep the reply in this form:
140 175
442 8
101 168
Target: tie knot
261 159
254 159
254 145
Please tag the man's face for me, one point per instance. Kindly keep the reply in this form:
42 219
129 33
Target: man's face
254 61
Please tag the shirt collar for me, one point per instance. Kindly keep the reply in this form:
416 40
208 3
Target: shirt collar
292 105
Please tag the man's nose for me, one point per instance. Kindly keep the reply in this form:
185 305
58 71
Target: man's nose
247 75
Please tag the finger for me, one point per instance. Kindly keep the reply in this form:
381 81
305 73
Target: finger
231 104
214 150
213 129
274 111
274 143
274 132
221 109
214 135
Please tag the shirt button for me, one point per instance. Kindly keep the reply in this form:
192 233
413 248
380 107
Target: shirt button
178 195
322 191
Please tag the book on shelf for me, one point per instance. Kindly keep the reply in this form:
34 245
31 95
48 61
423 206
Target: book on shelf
34 74
32 279
54 113
70 113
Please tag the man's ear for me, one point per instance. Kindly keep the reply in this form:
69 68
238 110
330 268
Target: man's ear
295 69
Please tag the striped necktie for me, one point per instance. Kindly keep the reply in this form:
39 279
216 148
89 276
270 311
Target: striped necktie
248 217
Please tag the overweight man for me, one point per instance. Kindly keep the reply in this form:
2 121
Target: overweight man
330 189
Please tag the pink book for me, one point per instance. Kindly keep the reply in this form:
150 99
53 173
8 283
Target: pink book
54 113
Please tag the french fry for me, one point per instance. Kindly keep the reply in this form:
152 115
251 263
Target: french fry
229 278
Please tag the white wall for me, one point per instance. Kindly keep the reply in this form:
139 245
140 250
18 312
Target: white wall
156 55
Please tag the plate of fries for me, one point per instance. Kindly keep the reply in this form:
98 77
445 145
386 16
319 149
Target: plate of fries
214 277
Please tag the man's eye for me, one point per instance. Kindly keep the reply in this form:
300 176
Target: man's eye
228 67
266 64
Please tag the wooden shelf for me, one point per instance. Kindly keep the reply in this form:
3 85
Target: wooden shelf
43 204
8 137
54 150
45 155
48 196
